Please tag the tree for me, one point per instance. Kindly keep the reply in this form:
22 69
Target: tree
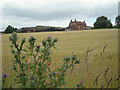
10 29
15 29
109 24
117 21
102 22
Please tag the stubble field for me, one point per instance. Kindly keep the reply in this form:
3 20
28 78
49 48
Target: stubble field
96 69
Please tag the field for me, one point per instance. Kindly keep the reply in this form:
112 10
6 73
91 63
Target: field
96 66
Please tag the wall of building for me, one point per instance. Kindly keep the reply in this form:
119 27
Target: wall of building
88 27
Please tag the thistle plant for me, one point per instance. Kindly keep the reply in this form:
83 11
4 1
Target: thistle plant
80 85
4 76
32 63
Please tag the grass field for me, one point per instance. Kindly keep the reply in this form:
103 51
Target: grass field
77 42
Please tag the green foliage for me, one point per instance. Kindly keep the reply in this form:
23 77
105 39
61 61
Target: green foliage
4 76
102 22
10 29
80 85
117 21
32 64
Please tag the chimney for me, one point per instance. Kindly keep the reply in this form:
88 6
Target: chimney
70 21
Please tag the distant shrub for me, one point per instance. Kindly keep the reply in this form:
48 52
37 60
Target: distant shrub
10 29
103 22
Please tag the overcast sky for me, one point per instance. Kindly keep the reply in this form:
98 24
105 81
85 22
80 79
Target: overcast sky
29 13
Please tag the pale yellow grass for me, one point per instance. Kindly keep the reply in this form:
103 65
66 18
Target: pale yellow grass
75 42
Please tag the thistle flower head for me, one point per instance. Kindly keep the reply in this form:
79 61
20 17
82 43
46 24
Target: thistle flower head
29 37
38 46
5 75
58 72
49 36
81 81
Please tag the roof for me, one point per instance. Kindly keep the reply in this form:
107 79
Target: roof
27 27
77 22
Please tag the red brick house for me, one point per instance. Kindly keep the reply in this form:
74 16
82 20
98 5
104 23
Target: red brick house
77 25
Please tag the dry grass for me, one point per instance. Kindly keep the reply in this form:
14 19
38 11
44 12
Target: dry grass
95 70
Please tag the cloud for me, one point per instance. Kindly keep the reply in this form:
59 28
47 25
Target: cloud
119 8
55 12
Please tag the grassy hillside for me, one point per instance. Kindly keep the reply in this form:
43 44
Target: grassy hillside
78 42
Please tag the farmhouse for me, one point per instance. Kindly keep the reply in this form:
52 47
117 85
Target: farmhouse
77 25
73 25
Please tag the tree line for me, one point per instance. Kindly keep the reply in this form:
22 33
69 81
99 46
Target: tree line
10 29
101 22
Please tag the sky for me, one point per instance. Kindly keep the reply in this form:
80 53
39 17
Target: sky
29 13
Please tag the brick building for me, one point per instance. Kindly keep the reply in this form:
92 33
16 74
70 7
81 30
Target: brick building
40 29
77 25
28 29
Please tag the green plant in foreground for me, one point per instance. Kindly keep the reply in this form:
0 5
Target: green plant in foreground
80 85
4 76
32 64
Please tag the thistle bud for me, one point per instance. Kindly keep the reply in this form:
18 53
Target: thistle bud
37 49
74 57
49 39
15 56
23 40
13 51
77 61
14 37
32 78
44 42
67 58
55 40
50 74
31 38
78 85
23 57
11 38
53 73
